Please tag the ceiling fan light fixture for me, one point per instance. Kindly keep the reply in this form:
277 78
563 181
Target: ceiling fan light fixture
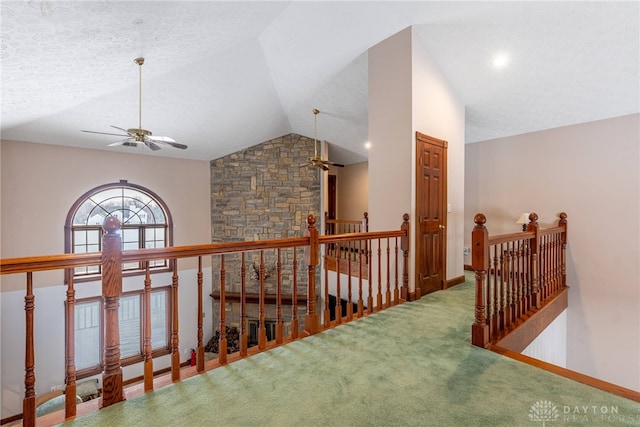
140 135
316 160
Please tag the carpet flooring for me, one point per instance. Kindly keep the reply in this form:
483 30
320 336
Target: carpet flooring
410 365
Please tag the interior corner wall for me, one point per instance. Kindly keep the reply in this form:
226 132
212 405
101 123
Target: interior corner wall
589 171
409 93
438 112
391 154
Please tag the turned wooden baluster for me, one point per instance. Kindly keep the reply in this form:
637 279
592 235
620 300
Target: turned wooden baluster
148 358
327 308
387 293
29 401
279 325
222 341
543 265
262 329
505 293
480 263
533 248
495 309
563 250
370 307
404 245
338 305
360 300
294 297
519 279
349 293
70 348
396 290
244 338
200 358
379 295
311 321
111 290
175 351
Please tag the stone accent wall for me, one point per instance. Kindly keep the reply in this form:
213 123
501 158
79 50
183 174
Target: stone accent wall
263 192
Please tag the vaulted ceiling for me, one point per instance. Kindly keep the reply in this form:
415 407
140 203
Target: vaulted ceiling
222 76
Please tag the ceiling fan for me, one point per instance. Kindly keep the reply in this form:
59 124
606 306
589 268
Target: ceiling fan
135 136
316 160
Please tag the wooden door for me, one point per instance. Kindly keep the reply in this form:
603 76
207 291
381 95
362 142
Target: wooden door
331 194
431 213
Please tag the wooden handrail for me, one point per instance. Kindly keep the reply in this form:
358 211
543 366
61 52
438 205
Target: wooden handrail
516 274
112 258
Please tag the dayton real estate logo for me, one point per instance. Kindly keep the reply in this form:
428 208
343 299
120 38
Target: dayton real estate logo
544 411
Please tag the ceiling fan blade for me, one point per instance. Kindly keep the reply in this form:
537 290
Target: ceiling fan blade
327 162
103 133
123 130
160 138
177 145
167 141
128 142
151 145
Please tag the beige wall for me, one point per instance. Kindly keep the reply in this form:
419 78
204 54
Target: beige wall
437 112
409 93
353 190
39 183
589 171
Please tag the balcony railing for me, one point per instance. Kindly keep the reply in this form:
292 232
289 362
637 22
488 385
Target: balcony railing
517 275
295 261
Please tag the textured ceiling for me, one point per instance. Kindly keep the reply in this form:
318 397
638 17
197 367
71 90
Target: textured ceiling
222 76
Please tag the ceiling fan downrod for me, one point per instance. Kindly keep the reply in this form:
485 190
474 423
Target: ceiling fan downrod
140 133
315 132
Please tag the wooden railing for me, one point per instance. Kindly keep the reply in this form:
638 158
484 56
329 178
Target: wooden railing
347 253
516 276
344 226
289 253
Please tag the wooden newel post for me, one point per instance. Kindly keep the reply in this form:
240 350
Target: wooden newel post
480 264
404 246
311 319
563 223
111 290
534 246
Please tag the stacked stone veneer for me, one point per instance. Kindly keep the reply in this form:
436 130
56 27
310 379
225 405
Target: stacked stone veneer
263 192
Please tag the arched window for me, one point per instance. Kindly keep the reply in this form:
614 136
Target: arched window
146 223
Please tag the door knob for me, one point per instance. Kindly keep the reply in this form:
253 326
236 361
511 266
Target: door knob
441 227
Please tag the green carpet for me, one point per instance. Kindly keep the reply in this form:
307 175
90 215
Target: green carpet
411 365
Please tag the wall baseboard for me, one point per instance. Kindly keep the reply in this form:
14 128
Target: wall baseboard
455 281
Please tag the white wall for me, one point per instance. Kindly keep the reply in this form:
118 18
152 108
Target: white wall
39 185
589 171
551 345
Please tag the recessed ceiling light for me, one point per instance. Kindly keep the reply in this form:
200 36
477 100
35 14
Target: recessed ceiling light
500 60
367 145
